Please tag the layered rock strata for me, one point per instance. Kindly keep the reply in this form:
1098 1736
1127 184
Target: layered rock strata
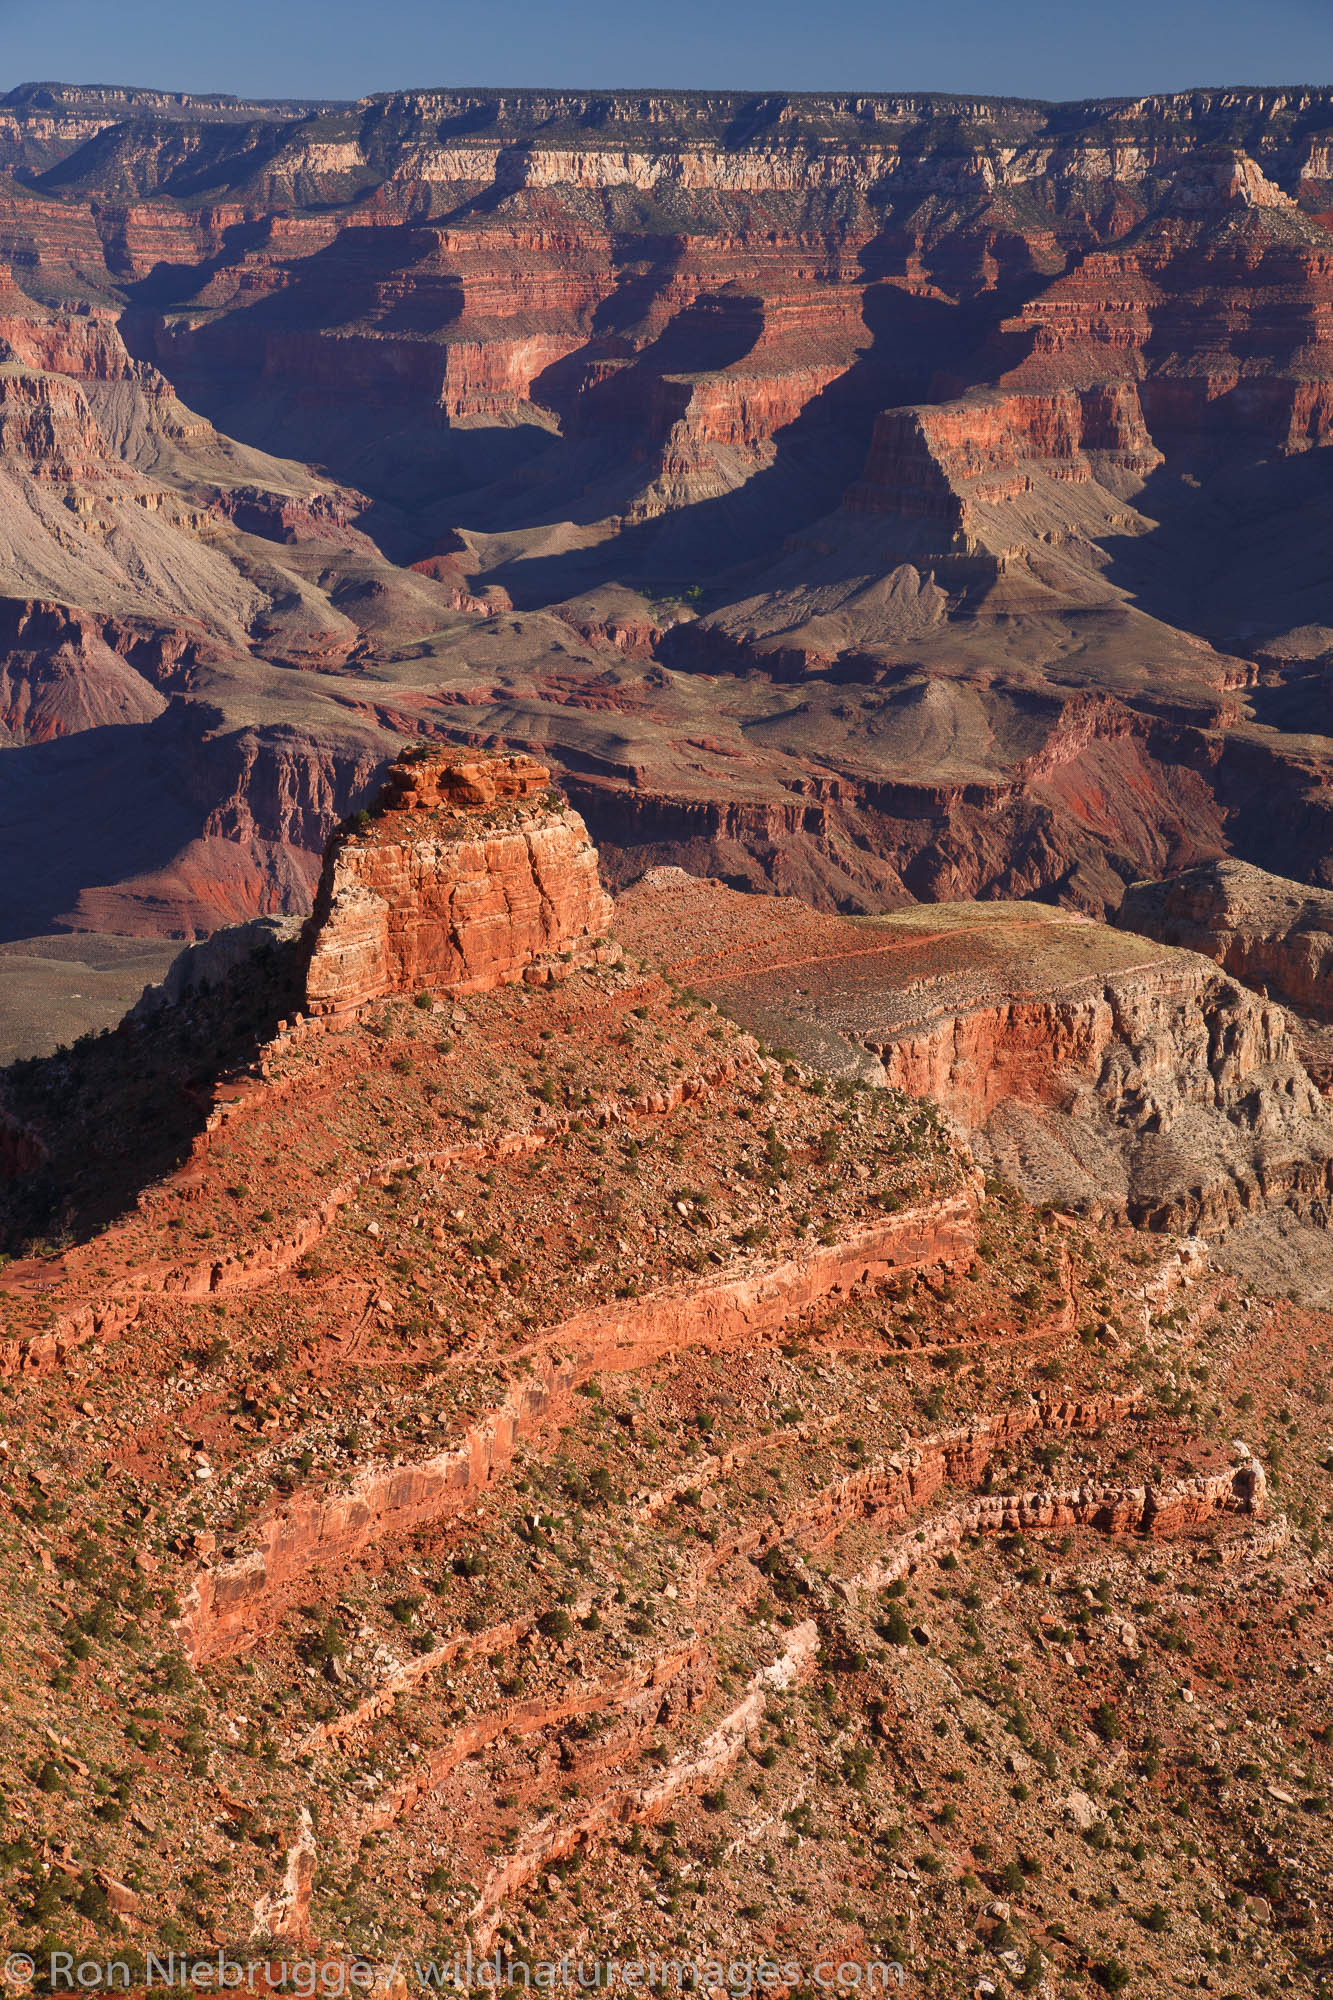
1096 1068
230 1606
1274 934
472 872
520 1412
977 443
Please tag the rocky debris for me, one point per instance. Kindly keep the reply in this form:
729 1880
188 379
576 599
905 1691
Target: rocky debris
642 1804
470 873
696 1627
230 1606
286 1913
644 1479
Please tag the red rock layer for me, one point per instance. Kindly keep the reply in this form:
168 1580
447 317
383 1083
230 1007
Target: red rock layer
233 1604
1223 331
462 885
933 461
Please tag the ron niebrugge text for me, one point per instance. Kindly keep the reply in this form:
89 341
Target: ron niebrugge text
327 1978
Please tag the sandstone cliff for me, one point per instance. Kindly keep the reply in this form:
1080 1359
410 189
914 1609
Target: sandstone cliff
470 875
1097 1070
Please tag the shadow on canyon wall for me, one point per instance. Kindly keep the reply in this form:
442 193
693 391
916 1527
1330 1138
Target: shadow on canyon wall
814 458
379 425
1240 550
118 791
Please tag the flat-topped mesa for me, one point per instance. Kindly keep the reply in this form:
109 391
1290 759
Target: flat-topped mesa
470 874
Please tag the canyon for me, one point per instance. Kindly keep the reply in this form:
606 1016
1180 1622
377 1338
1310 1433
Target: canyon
875 499
697 1313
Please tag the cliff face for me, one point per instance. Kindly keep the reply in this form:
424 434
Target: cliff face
1097 1070
472 876
1273 934
488 1434
1164 1091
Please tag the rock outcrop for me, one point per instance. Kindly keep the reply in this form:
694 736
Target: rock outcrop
482 1434
1097 1069
433 1460
200 966
1274 934
1178 1089
643 1804
231 1606
472 874
933 500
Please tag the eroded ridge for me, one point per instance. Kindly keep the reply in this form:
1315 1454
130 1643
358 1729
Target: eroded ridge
612 1479
724 1317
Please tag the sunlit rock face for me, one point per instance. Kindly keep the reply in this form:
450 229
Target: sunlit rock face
471 873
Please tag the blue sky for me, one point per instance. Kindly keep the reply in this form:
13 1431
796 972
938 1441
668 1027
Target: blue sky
346 48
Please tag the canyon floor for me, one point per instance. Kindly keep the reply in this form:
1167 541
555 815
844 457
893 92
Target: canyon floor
500 1453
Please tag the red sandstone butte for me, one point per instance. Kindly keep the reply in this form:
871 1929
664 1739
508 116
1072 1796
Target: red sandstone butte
471 873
